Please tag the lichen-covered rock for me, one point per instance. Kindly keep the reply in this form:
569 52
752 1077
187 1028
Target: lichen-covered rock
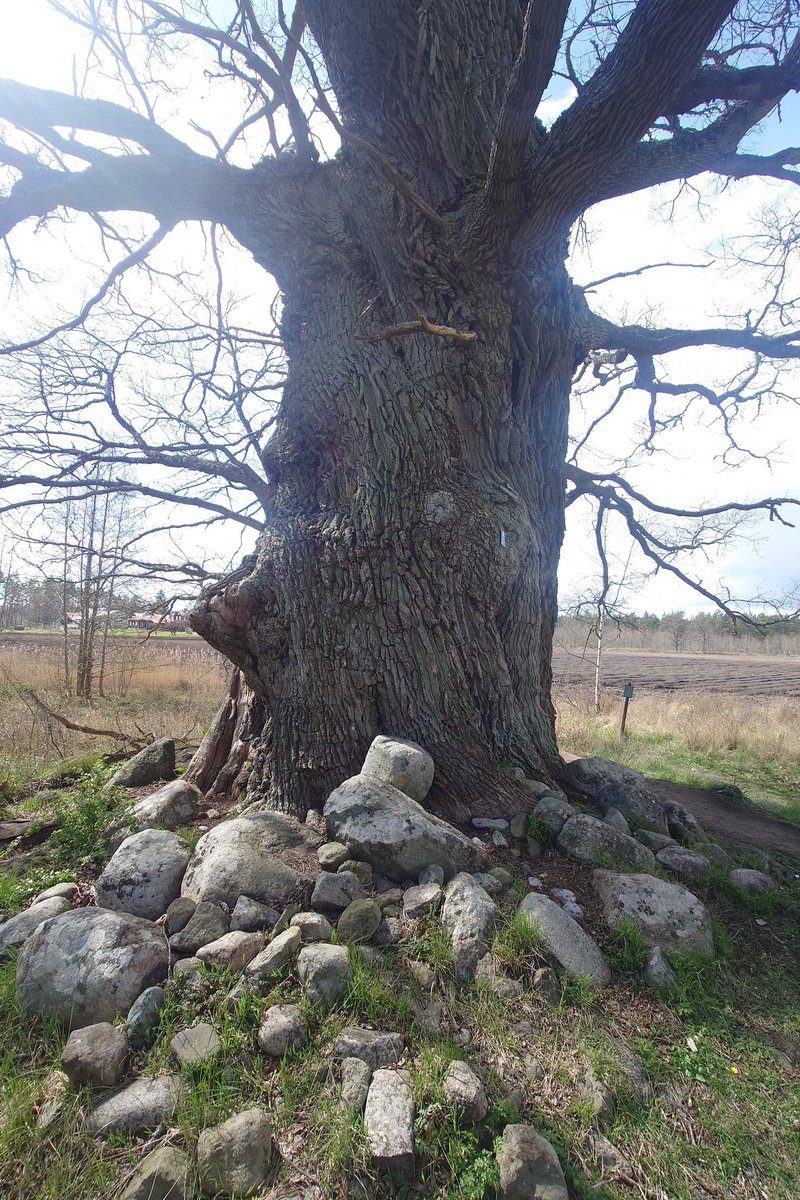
283 1027
144 1104
332 855
667 914
324 973
233 951
571 947
250 916
554 812
611 785
529 1167
175 804
389 1121
359 921
156 761
751 881
207 923
685 862
591 841
356 1077
16 930
144 1015
233 1157
464 1090
394 833
469 915
161 1176
144 876
403 764
244 857
282 950
375 1047
89 965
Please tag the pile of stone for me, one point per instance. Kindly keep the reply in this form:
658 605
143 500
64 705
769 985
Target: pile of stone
262 895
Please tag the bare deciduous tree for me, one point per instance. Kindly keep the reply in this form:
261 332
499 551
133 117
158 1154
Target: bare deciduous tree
414 483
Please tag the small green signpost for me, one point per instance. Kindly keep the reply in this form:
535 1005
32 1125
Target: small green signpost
627 693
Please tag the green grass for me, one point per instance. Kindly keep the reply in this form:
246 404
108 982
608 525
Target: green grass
770 782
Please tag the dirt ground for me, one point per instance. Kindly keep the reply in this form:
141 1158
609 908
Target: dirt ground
730 819
742 674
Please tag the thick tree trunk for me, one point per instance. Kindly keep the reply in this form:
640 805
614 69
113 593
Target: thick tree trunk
406 580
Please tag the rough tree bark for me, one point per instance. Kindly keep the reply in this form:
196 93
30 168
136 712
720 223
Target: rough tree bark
406 580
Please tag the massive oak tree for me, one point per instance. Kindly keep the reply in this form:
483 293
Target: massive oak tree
416 215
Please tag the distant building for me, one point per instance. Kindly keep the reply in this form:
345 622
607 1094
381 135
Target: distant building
174 622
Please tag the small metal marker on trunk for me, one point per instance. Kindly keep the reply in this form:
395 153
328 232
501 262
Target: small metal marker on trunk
627 693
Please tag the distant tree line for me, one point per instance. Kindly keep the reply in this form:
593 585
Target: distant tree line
696 633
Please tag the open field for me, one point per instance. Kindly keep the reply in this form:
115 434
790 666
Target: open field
740 673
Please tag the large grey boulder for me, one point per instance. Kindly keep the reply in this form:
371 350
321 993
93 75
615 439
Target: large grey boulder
233 1158
394 833
403 764
242 857
469 915
171 806
156 761
144 1104
16 930
610 785
529 1166
89 965
667 914
571 947
389 1121
145 874
591 841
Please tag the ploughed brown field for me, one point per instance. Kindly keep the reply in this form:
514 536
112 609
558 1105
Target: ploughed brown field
650 671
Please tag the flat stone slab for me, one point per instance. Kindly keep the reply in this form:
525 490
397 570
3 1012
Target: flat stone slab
198 1044
389 1121
373 1046
667 914
573 950
421 899
143 1104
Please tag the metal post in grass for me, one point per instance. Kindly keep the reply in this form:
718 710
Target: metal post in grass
627 693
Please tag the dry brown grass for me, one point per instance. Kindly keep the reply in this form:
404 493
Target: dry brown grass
153 687
693 737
